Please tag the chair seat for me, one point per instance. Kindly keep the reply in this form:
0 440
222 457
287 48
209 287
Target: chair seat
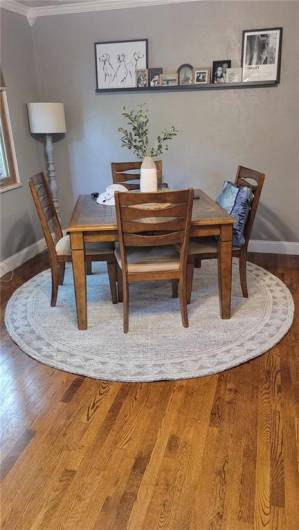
204 245
63 247
150 259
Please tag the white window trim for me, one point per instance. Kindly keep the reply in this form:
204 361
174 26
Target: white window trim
17 183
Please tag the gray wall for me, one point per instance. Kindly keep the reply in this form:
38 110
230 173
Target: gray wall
218 130
19 224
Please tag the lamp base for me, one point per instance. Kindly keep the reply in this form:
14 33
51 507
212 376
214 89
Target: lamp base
51 171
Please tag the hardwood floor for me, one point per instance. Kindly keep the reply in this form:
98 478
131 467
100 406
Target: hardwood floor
212 453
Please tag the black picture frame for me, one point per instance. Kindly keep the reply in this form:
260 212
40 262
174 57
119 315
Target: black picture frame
152 73
185 67
262 75
224 65
118 71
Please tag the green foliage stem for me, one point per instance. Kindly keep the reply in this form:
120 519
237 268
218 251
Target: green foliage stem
136 136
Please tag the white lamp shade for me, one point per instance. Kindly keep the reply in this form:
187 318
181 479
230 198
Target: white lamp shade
46 118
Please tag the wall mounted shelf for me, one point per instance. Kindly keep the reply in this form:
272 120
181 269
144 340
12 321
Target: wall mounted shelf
177 88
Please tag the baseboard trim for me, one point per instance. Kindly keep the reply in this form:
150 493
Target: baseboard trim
274 247
256 245
20 257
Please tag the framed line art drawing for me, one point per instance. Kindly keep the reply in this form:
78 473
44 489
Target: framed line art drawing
261 52
117 62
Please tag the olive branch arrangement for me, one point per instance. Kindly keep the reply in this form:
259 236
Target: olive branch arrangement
136 136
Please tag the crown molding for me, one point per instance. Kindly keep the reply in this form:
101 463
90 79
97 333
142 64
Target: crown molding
32 13
14 6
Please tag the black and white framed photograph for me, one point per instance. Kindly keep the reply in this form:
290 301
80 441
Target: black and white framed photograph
142 78
220 69
201 76
169 79
154 76
117 62
261 52
185 74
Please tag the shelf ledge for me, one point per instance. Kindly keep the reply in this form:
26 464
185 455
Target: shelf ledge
178 88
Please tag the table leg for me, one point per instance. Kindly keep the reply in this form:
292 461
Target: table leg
77 244
225 270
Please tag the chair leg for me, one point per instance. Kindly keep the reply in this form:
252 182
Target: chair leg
126 306
88 265
243 275
197 263
119 284
183 302
190 270
175 288
55 272
61 273
112 280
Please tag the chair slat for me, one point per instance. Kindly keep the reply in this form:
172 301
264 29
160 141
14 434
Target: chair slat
244 182
137 240
155 226
122 177
129 199
164 210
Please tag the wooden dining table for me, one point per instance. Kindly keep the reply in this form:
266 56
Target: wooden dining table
92 223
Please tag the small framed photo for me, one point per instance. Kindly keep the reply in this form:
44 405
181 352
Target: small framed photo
154 76
201 76
141 78
219 70
116 63
233 75
169 79
261 54
185 74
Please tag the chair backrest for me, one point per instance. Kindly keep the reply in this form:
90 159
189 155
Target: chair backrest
46 212
243 177
154 219
120 174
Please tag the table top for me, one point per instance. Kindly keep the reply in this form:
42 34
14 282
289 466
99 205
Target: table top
89 216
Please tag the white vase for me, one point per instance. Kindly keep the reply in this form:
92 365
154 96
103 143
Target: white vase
148 175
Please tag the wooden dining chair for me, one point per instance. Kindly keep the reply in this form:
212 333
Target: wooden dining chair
121 174
58 244
207 248
151 226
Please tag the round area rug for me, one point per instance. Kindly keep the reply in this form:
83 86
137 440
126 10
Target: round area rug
157 347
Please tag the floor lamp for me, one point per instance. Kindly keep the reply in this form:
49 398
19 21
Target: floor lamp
48 119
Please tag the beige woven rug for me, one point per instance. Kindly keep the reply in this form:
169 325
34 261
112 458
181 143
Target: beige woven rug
157 347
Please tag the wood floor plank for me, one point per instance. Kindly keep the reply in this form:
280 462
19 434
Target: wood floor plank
213 453
16 450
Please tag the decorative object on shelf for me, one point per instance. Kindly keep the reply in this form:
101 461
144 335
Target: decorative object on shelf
185 74
142 78
169 79
154 76
201 76
219 70
136 138
48 119
261 53
116 62
233 75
